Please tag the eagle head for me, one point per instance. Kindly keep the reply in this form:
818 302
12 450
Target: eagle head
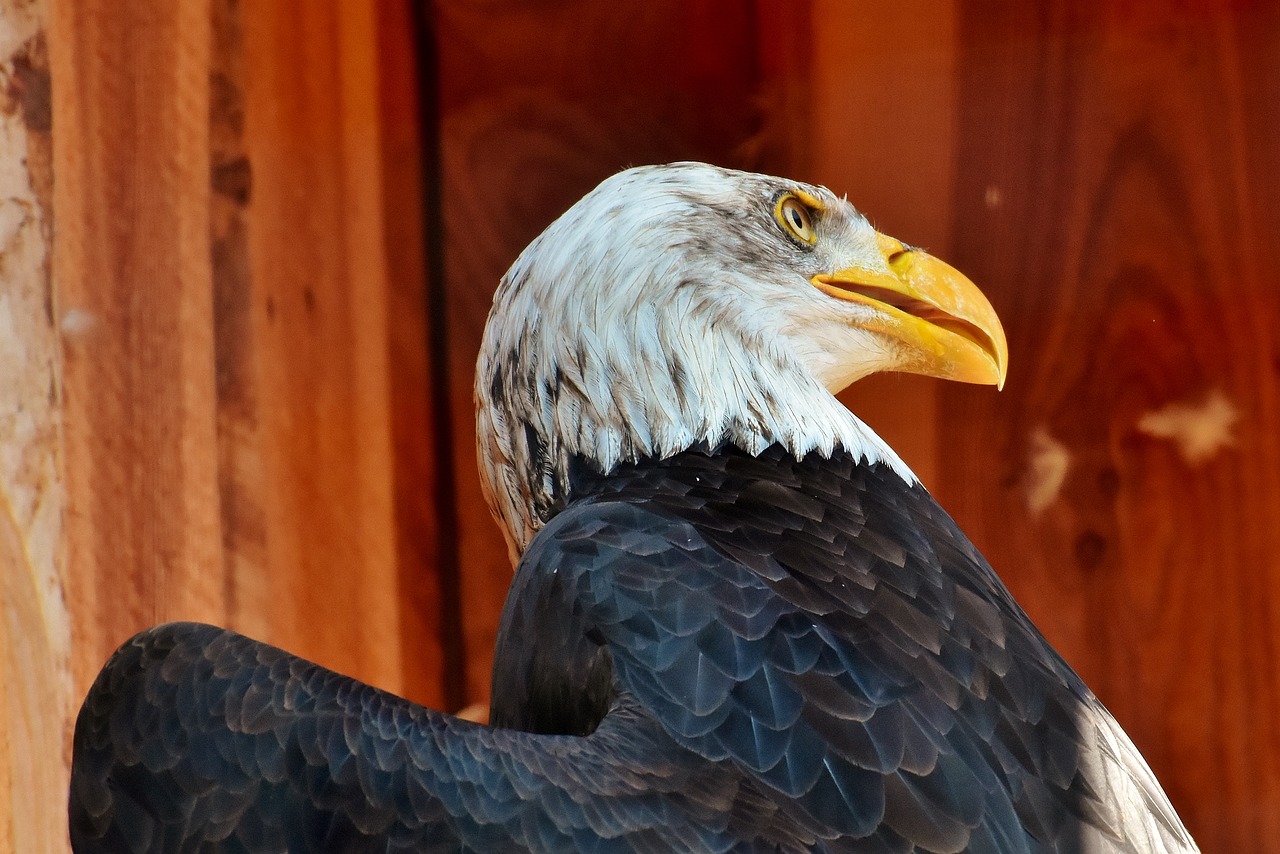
684 304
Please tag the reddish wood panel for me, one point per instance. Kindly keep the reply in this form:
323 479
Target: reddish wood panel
1115 189
132 300
416 447
324 451
538 103
132 281
240 471
319 328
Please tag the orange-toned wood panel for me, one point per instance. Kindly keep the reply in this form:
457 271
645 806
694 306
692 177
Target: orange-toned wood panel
538 103
416 447
1116 179
240 473
319 327
132 292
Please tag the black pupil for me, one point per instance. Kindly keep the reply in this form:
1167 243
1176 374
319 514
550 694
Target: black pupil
796 219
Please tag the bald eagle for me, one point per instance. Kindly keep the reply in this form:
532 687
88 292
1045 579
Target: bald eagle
738 622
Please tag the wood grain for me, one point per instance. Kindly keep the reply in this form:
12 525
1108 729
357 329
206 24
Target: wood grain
1111 197
341 475
132 295
538 103
246 576
35 695
416 445
319 330
35 642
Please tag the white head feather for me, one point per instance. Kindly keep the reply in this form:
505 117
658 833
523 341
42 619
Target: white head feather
666 309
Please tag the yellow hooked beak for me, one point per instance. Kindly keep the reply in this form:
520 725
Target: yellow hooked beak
948 328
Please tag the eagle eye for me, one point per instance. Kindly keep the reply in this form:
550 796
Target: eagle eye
796 219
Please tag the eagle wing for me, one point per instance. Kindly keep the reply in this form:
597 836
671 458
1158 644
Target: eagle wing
196 738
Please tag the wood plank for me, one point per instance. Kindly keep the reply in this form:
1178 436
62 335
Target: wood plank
538 103
35 694
319 327
35 642
416 447
246 576
132 292
243 441
1114 195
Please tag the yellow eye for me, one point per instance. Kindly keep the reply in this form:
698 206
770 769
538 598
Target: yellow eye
796 219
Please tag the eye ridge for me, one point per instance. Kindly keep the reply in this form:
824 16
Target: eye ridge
796 219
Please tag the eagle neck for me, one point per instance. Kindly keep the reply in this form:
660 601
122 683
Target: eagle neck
565 377
534 429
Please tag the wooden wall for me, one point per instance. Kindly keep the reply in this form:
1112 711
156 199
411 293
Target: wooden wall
247 248
1116 187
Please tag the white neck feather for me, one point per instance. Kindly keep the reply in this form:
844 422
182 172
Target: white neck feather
543 398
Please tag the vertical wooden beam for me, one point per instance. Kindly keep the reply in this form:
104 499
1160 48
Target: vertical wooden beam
132 295
35 685
417 450
287 469
319 326
246 575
